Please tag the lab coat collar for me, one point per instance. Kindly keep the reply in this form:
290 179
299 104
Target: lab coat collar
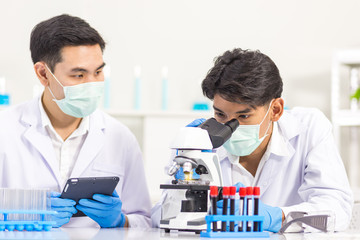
277 144
293 126
37 136
31 113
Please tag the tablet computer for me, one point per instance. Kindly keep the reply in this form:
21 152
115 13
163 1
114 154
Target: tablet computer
86 187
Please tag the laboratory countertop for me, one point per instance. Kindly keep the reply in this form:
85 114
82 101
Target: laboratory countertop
153 234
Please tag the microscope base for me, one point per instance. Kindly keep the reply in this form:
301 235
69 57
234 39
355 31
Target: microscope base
185 221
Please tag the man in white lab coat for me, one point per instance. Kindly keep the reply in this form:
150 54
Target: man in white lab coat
289 154
61 134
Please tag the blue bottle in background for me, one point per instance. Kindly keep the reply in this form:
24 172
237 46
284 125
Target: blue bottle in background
4 97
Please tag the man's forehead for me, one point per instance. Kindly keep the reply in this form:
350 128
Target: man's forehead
238 108
220 103
69 53
81 58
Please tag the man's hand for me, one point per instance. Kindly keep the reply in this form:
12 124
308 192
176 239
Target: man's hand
105 210
64 207
196 122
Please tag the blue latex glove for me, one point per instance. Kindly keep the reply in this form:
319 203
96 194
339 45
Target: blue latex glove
238 186
105 210
272 217
196 122
180 174
64 207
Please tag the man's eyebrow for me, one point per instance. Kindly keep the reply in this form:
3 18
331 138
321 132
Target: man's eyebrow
246 110
217 109
101 66
78 69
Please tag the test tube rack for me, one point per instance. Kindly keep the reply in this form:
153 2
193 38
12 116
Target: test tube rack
28 225
236 234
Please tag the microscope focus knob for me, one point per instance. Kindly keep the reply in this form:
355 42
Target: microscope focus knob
201 169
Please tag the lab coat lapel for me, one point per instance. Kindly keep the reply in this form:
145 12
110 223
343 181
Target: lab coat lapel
289 127
93 143
37 136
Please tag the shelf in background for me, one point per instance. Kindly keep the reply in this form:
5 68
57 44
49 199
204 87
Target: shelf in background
350 57
346 118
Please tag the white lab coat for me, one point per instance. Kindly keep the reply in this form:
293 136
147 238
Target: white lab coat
311 178
27 159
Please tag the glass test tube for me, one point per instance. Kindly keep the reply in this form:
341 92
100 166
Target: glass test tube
249 203
242 193
213 197
232 206
256 193
225 193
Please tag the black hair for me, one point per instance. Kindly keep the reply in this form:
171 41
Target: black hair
243 76
49 37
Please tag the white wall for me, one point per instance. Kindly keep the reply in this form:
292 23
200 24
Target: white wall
185 35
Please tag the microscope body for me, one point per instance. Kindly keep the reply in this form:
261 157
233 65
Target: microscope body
187 203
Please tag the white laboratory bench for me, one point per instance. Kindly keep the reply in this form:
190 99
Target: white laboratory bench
154 234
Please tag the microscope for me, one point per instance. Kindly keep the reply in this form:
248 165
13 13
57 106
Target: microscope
187 203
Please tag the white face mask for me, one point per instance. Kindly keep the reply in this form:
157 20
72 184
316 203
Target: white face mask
80 100
246 138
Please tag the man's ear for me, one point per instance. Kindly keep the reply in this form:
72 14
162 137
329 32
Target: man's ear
277 109
41 73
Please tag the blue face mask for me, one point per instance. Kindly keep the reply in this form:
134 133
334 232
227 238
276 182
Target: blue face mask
245 139
80 100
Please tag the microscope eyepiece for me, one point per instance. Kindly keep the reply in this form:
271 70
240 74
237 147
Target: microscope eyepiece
233 124
219 133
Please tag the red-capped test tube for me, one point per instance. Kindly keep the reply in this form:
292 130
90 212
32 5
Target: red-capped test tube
256 193
225 193
242 193
232 206
213 197
249 203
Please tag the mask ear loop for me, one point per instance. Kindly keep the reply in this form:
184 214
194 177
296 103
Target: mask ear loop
56 80
53 75
264 119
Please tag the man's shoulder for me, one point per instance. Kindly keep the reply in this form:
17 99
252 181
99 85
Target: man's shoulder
303 121
305 111
109 119
307 116
16 111
13 120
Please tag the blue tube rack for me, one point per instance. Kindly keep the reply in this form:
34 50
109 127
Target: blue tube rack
28 225
236 234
